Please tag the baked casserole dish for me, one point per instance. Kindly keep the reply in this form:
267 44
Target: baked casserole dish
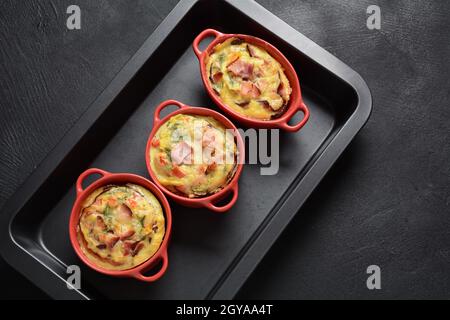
193 155
120 226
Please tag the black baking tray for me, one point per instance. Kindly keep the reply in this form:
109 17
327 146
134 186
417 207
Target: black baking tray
211 255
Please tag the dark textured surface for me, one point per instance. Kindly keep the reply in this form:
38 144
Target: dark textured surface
385 202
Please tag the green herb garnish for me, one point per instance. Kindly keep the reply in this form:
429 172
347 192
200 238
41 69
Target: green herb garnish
141 220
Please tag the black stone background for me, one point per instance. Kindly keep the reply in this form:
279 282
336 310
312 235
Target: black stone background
385 202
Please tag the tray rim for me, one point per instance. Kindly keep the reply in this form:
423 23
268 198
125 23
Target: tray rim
236 274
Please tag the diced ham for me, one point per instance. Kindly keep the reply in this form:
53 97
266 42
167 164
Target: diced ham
162 159
112 202
129 246
242 104
132 247
215 73
111 240
241 69
202 168
155 142
181 189
249 89
177 172
100 223
275 101
181 153
124 213
137 248
261 84
132 203
126 234
284 92
89 210
108 239
279 112
211 167
274 104
209 137
216 77
264 103
259 72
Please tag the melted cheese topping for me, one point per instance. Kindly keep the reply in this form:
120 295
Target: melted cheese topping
248 79
121 226
193 155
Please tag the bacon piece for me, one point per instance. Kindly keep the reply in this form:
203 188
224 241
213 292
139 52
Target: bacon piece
249 89
241 69
181 153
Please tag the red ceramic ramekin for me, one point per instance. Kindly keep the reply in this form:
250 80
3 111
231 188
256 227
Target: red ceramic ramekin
121 178
295 103
211 200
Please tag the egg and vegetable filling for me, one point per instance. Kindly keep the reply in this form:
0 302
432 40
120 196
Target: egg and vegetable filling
248 79
193 155
121 226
